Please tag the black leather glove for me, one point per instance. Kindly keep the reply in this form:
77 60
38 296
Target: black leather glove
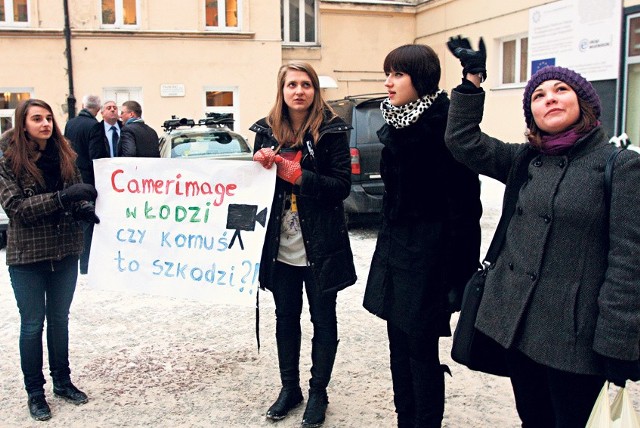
77 192
86 211
473 62
619 371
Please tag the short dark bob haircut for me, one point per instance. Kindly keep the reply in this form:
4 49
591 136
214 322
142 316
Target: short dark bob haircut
418 61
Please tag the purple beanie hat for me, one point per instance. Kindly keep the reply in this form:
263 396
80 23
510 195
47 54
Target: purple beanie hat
579 84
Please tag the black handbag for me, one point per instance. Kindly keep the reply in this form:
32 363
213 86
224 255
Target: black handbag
470 346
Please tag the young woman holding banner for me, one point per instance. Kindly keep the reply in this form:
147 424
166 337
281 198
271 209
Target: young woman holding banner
307 239
42 194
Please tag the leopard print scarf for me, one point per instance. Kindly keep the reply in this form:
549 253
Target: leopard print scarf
405 115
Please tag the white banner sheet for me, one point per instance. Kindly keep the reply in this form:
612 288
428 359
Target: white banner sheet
180 227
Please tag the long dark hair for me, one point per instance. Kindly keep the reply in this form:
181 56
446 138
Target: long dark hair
22 152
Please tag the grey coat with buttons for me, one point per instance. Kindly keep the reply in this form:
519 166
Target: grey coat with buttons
326 182
566 285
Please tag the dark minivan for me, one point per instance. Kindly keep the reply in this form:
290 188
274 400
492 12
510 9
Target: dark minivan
363 113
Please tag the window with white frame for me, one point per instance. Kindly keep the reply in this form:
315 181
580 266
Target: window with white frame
298 18
514 53
120 95
9 100
120 13
222 14
222 100
14 12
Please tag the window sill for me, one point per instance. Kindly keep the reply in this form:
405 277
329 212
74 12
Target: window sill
233 30
288 45
14 25
147 34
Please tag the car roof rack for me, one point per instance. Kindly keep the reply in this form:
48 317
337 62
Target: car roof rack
217 119
367 96
362 99
174 123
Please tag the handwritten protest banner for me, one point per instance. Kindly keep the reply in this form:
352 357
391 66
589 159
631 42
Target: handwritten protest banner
180 227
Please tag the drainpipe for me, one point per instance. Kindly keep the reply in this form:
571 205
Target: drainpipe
71 99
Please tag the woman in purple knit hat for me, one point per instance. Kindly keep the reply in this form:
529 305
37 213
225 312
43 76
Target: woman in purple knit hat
563 296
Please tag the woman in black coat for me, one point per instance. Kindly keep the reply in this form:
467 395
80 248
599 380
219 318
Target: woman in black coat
429 242
307 239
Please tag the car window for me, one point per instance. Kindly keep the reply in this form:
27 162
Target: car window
368 121
207 144
343 109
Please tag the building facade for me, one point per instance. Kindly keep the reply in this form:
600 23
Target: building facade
191 57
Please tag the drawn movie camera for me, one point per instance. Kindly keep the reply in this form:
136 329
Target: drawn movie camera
244 217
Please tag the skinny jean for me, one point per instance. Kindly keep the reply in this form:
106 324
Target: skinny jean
287 294
44 290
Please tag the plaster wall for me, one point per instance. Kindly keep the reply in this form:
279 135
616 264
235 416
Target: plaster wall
170 46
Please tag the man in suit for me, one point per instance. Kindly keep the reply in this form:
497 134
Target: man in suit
105 135
78 132
138 138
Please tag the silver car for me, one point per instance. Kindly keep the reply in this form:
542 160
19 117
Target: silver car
208 138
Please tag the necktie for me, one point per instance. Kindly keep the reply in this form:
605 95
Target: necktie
114 141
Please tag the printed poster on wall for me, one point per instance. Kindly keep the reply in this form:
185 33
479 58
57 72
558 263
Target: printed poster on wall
583 35
181 227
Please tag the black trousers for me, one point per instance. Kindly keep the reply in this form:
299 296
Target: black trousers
418 378
287 294
547 398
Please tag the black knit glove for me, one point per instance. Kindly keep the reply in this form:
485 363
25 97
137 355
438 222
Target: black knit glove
473 62
86 211
77 192
619 371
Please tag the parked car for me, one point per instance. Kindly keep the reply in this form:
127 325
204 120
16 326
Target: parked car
363 113
210 137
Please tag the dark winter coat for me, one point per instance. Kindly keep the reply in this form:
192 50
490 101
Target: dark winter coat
137 139
429 242
326 182
78 131
40 228
99 143
565 286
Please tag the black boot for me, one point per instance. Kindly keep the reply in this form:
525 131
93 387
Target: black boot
38 407
70 393
428 387
290 394
323 356
403 391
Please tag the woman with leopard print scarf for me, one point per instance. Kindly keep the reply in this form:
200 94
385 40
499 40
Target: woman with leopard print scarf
429 241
